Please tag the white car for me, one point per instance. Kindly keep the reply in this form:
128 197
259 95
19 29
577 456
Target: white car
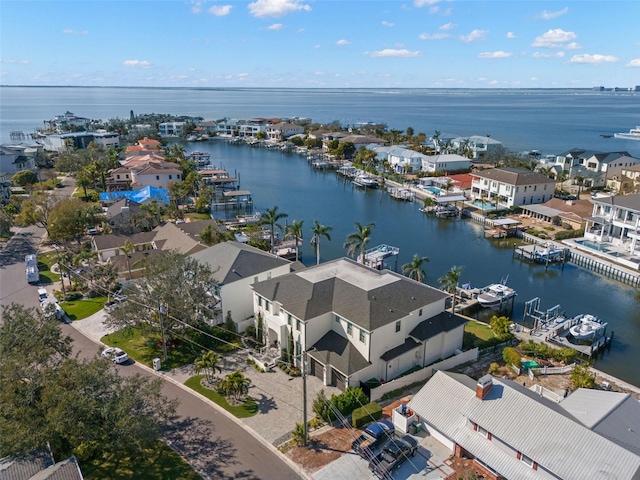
116 354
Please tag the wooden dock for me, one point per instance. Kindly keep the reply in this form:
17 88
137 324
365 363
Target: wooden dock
547 253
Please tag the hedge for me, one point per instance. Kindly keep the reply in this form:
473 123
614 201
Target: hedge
366 413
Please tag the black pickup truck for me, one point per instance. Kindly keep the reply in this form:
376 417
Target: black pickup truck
375 434
393 455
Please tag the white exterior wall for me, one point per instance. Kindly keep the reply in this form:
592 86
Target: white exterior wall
164 180
172 129
315 328
439 436
354 337
107 139
515 195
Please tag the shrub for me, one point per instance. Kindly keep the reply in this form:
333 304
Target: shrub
562 235
493 368
581 377
297 435
73 296
500 325
366 413
315 422
511 356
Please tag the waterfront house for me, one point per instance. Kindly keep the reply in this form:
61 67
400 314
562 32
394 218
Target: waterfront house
568 212
279 131
356 323
146 170
15 158
67 120
171 129
477 146
593 167
236 267
446 162
514 432
509 187
627 182
120 215
251 128
615 220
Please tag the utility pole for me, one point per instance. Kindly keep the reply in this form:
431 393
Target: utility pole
161 311
57 248
304 398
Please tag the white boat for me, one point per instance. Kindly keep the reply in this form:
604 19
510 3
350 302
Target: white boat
249 219
588 327
634 134
496 294
365 181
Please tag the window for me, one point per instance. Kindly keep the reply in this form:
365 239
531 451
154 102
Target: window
363 337
259 301
157 177
170 177
118 177
398 325
337 319
297 324
267 305
527 460
255 279
289 321
420 312
483 432
349 328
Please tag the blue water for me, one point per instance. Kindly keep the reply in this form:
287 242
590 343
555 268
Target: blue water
592 245
549 121
434 190
483 206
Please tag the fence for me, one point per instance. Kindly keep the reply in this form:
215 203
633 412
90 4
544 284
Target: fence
553 370
423 374
546 393
497 348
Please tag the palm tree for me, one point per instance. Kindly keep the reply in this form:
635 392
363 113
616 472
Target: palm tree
207 363
449 282
428 203
319 231
414 268
127 248
357 241
295 231
271 217
436 140
235 384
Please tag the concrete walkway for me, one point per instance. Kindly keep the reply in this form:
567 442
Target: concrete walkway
279 396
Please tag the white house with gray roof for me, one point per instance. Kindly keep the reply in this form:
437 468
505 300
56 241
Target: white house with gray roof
237 266
615 220
356 323
512 186
514 433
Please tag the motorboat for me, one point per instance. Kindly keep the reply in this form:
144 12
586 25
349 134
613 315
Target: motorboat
634 134
496 294
588 327
366 181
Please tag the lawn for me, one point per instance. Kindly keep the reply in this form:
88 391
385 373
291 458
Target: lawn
248 409
156 464
476 334
144 348
45 261
79 309
194 217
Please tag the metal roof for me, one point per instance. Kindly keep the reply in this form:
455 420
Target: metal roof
542 210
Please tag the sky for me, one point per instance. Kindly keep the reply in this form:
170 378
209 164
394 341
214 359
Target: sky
321 43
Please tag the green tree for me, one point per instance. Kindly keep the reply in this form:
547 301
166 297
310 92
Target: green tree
25 178
319 231
271 217
83 181
206 235
207 363
357 241
234 384
127 249
6 222
260 329
500 325
294 230
70 219
511 357
414 268
36 209
581 377
449 283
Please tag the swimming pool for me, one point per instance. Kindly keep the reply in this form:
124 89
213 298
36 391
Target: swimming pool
485 206
593 246
434 190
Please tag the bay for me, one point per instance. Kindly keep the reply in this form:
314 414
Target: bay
551 121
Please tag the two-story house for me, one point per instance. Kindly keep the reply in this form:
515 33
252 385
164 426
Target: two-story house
237 267
512 186
356 323
512 432
476 145
595 168
615 219
446 162
278 131
171 129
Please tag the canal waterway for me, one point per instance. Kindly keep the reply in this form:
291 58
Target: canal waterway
288 182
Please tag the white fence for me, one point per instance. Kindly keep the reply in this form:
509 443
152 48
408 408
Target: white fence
546 393
424 373
553 370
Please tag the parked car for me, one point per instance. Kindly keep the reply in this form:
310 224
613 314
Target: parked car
393 455
375 435
116 354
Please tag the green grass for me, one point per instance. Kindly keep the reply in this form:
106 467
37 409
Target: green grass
79 309
194 217
248 409
156 464
144 348
45 261
476 334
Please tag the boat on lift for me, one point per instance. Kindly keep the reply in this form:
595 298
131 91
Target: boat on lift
496 294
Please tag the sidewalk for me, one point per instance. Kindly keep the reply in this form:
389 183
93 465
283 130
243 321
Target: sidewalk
279 396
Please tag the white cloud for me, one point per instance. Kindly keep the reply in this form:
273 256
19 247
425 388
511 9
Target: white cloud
300 30
534 79
548 55
68 31
498 54
474 36
275 26
434 9
596 58
390 52
343 42
634 63
220 10
510 35
136 63
573 46
242 76
276 8
553 39
13 61
545 15
422 3
447 26
435 36
196 7
387 24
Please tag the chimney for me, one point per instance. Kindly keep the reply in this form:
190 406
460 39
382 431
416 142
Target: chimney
484 386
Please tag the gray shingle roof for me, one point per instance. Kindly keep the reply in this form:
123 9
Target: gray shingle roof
235 261
631 201
106 242
515 176
443 322
65 470
24 466
335 350
408 345
366 297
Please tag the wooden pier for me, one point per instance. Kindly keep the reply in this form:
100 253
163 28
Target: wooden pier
547 253
403 194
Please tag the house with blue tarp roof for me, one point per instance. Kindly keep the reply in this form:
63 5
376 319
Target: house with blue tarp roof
139 196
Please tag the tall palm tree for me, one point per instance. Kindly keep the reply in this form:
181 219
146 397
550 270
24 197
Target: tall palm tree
207 363
319 231
436 140
295 231
235 384
271 217
449 282
357 241
414 268
127 248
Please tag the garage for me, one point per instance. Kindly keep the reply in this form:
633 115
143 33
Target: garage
338 380
317 369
